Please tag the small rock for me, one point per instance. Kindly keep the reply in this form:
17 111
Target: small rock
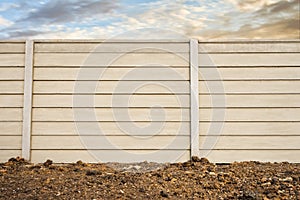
287 179
264 179
47 181
275 179
186 164
204 161
79 162
17 159
271 195
248 195
280 191
121 191
48 163
91 172
132 167
196 159
224 173
212 173
51 167
266 184
164 194
76 169
136 167
12 160
173 180
35 167
141 190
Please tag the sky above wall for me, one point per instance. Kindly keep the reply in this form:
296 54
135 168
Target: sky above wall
202 19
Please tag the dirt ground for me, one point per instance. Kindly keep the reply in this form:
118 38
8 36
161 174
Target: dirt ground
197 179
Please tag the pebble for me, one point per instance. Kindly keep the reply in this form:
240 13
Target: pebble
264 179
48 163
173 180
266 184
91 172
196 159
287 179
212 173
164 194
280 191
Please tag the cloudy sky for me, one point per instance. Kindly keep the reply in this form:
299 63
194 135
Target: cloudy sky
202 19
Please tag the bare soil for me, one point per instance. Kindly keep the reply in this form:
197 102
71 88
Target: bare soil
196 179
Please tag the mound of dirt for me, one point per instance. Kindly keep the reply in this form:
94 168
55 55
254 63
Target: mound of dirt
196 179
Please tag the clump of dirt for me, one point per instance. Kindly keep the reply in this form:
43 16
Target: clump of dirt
196 179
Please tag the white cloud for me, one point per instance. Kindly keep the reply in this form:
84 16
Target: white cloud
251 5
4 22
184 19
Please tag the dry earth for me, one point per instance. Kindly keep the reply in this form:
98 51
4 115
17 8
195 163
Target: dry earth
196 179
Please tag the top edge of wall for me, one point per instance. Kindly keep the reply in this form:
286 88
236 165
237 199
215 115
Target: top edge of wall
113 40
251 41
12 41
155 40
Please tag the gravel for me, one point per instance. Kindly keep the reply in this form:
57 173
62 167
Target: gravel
196 179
